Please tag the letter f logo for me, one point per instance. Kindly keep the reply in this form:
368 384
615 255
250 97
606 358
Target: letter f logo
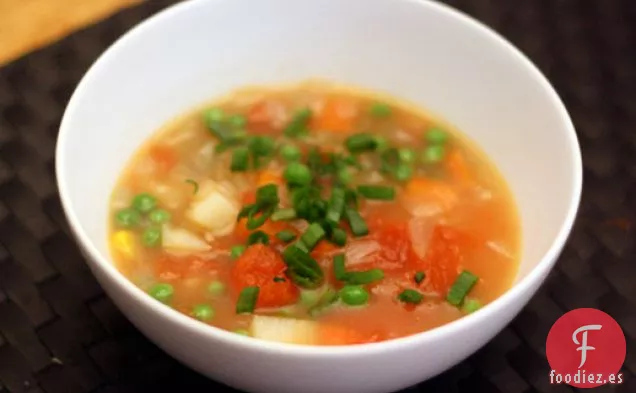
583 344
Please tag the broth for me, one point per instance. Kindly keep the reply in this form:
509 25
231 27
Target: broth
366 219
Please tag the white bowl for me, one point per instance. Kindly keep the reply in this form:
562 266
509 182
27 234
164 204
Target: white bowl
420 51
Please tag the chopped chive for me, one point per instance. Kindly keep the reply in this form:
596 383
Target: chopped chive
290 153
336 205
359 143
195 185
302 269
379 109
339 269
471 305
356 222
298 123
410 296
237 251
364 277
203 312
279 279
240 159
436 136
460 288
327 299
283 214
407 156
314 234
384 193
128 218
419 277
254 222
214 115
258 237
403 172
247 300
286 236
339 237
267 195
297 174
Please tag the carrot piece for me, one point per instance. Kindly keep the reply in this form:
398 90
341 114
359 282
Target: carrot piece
457 166
258 266
423 190
336 115
163 156
263 116
269 177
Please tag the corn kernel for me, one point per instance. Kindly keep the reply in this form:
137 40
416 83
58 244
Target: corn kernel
124 243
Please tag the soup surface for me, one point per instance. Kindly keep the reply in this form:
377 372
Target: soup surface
315 214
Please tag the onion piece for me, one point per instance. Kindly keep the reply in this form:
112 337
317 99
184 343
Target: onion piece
499 249
357 251
285 330
420 231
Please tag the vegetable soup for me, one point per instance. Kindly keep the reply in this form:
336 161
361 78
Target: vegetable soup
315 214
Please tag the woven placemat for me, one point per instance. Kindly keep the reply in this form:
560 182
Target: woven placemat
59 333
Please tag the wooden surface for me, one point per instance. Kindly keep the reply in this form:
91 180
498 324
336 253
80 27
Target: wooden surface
26 25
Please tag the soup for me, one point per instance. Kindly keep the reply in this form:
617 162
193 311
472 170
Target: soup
315 214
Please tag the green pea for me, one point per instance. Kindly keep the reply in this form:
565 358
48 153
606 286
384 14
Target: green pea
162 292
433 154
471 305
144 202
403 172
151 237
216 288
214 115
203 312
237 251
290 153
344 176
380 109
407 156
159 216
436 136
297 174
381 143
354 295
128 218
237 121
242 332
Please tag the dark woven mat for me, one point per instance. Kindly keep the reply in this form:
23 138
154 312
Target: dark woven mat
60 334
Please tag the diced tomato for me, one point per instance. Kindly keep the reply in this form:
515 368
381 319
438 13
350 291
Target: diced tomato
164 157
258 266
443 257
425 191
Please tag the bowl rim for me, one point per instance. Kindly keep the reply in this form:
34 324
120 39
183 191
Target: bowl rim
465 323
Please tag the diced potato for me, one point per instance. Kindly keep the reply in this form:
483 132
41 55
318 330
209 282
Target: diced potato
124 243
182 239
214 210
285 330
